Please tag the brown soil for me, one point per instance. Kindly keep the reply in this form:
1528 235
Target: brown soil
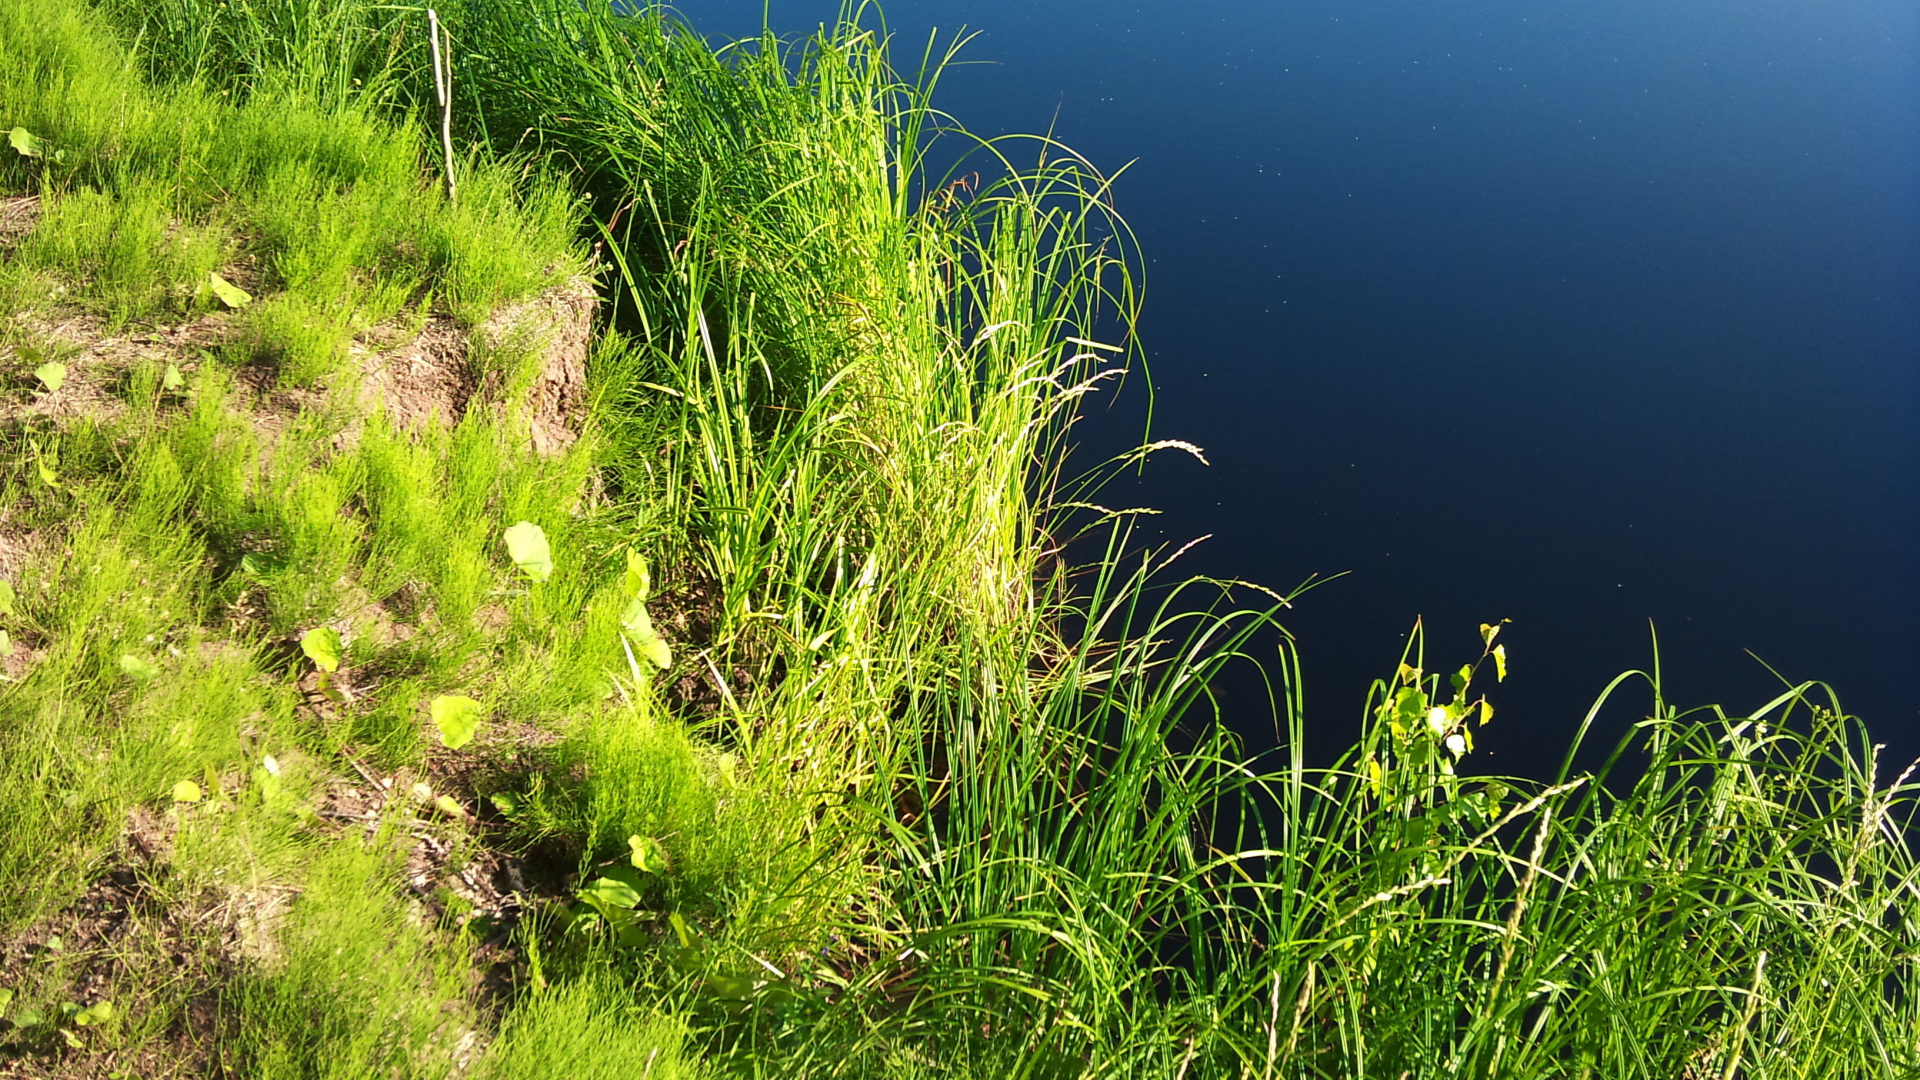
17 217
418 376
561 321
123 941
427 379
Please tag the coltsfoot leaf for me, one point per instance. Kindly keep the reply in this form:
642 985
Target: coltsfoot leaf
27 143
647 854
230 294
638 627
527 545
457 718
322 646
51 375
638 585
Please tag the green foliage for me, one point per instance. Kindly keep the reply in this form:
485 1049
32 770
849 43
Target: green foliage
124 248
25 143
358 989
51 376
322 646
635 623
149 189
228 293
589 1027
527 547
457 719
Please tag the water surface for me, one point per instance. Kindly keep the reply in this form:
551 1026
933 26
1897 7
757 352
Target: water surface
1579 315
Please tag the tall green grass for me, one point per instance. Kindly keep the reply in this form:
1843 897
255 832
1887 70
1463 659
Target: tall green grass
1736 903
863 374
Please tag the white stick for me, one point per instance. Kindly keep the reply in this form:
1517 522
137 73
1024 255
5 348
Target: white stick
443 88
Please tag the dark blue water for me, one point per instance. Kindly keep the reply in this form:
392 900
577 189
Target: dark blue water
1582 315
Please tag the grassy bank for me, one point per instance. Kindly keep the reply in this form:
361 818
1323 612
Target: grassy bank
624 612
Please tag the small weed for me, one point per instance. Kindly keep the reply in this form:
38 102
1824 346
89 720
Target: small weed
322 645
457 719
527 547
51 375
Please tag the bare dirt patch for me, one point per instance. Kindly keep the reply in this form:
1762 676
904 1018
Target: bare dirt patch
429 379
432 377
18 215
561 321
20 653
124 942
17 547
418 370
97 363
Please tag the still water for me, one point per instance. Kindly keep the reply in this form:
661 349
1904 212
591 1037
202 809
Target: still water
1582 315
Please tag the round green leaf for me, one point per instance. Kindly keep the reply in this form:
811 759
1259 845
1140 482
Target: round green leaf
322 646
527 544
138 667
187 791
457 718
28 144
51 375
